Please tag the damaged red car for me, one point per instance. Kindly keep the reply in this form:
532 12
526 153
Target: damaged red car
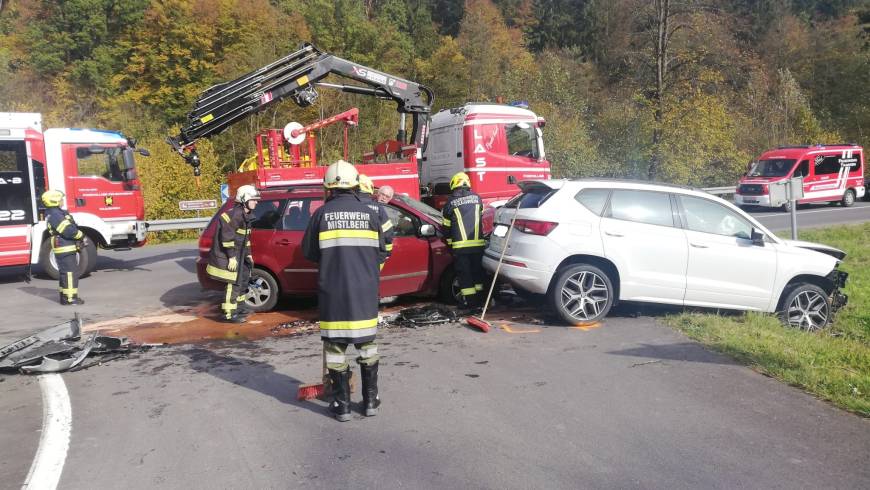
421 263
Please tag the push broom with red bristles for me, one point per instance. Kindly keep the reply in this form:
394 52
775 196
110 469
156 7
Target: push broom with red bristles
479 322
310 391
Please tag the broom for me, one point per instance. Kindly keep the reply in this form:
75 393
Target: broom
480 323
310 391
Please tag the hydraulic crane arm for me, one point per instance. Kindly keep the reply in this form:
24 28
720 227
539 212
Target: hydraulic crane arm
296 76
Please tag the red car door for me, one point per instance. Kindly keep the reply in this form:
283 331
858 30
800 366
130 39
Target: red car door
297 274
407 270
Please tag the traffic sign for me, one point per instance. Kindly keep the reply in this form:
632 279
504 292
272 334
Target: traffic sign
196 205
225 192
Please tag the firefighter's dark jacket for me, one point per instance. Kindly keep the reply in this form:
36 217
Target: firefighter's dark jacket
231 239
345 238
386 224
463 219
63 230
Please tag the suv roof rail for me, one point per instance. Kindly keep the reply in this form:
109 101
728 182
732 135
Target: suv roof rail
635 181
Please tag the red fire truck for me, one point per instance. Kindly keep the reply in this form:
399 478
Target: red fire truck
497 144
95 169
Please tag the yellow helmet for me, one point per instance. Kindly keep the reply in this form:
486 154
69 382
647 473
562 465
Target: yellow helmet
365 184
341 175
52 198
459 180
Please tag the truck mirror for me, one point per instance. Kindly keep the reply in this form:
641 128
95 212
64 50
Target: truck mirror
427 230
144 152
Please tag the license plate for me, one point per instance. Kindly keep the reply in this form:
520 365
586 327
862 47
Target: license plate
752 201
500 231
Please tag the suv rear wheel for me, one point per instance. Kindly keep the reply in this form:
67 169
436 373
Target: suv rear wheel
806 307
581 294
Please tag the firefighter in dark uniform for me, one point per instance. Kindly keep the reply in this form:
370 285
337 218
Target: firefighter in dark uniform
344 238
65 243
463 218
231 259
367 190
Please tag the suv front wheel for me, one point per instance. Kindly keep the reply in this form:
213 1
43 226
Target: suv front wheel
807 307
581 294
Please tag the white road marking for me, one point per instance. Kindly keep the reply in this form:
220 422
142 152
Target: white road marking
56 427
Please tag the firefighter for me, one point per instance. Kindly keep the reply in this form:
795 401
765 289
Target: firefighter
464 222
367 189
231 259
66 239
344 237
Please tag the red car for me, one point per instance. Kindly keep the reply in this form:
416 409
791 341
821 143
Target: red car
420 264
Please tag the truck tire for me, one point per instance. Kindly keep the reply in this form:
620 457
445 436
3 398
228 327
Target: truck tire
49 263
89 254
848 198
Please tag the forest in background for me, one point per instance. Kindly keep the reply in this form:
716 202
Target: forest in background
685 92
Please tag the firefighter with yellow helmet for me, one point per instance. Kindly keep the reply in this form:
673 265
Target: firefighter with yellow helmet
66 240
345 238
231 259
463 219
367 190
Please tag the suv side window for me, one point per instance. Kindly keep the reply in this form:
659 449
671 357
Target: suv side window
593 199
707 216
403 223
266 214
803 169
827 165
650 207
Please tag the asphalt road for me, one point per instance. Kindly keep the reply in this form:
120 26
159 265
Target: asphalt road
815 216
629 404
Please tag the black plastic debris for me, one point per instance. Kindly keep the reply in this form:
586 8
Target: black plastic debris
59 348
424 315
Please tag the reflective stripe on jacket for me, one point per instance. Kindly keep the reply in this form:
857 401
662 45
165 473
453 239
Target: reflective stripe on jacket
63 231
232 238
463 218
345 238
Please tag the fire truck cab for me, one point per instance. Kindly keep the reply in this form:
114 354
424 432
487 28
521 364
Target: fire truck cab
498 145
96 171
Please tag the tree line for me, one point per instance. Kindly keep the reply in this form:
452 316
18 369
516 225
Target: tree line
685 92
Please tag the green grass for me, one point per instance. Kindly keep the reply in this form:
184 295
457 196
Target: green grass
833 364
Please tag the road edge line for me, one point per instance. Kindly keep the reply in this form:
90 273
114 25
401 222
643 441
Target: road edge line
56 428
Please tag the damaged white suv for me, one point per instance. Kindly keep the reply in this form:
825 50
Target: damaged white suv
587 244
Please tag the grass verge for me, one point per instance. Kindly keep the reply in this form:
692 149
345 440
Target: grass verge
833 364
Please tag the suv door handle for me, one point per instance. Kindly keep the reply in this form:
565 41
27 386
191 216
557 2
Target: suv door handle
698 245
282 242
612 233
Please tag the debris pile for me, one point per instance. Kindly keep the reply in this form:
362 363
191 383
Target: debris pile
423 315
297 327
60 348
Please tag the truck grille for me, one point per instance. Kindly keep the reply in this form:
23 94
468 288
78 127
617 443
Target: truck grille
750 189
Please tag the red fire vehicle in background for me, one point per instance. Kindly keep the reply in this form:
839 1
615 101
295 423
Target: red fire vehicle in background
831 173
95 169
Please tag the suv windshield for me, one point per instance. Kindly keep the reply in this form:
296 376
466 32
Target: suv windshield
419 206
775 167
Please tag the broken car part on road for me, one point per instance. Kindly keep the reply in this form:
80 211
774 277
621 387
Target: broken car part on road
58 348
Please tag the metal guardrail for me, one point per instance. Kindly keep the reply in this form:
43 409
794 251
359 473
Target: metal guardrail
177 224
200 223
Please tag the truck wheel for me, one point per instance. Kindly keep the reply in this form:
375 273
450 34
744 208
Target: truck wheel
581 294
89 256
848 198
806 307
48 262
263 291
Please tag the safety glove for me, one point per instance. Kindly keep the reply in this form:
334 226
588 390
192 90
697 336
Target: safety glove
233 265
250 259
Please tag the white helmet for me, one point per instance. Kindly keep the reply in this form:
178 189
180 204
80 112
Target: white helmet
341 175
247 193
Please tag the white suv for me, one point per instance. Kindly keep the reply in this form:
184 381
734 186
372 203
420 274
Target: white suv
589 243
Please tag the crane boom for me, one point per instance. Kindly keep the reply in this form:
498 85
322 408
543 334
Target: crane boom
296 76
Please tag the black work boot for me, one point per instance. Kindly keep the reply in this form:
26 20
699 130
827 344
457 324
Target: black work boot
371 402
74 301
340 406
